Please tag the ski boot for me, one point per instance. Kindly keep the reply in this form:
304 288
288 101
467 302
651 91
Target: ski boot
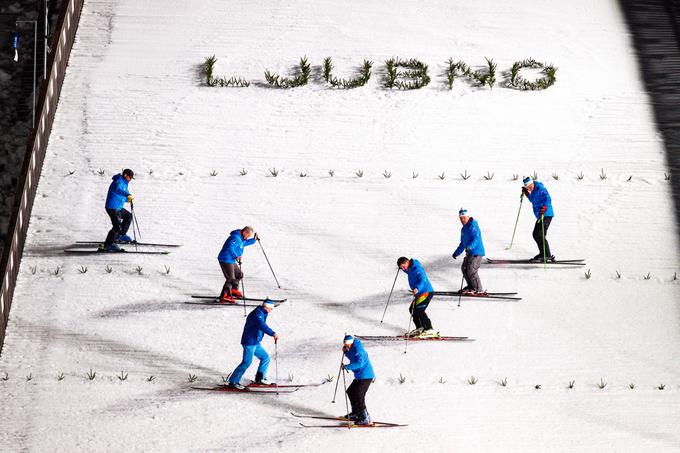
463 290
110 248
236 293
364 419
430 333
481 293
352 417
261 380
125 239
227 299
235 386
415 332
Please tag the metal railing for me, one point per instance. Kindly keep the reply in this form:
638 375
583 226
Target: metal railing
60 46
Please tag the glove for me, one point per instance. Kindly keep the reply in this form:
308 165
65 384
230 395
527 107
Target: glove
130 198
454 256
257 238
525 191
542 210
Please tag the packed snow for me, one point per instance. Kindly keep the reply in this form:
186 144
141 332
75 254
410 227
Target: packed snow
134 97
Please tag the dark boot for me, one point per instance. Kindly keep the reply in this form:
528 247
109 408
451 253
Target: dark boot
363 418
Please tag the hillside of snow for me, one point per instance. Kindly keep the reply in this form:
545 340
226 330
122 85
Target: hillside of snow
134 97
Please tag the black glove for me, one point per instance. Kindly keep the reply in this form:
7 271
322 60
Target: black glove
454 256
525 191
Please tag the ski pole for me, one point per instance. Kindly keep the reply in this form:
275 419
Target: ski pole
337 381
135 222
270 264
545 261
460 295
243 290
276 363
134 233
521 199
409 325
390 296
344 384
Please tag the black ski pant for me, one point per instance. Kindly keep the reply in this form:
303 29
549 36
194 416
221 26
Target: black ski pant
538 235
120 221
233 275
470 270
420 318
357 394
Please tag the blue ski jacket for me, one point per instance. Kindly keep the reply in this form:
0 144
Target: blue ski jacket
359 363
233 247
540 197
255 328
470 239
417 277
118 193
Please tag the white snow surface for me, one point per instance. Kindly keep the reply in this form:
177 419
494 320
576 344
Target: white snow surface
133 97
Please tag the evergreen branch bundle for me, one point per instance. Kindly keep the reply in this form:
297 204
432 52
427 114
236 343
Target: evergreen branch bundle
346 83
282 82
416 71
461 68
211 81
519 82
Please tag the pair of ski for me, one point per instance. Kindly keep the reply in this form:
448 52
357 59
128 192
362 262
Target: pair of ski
499 296
405 338
578 262
84 251
344 423
238 302
272 389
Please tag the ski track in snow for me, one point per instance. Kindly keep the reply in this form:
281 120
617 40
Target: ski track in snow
133 98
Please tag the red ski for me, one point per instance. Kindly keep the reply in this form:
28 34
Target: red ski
403 338
350 425
253 385
340 419
226 389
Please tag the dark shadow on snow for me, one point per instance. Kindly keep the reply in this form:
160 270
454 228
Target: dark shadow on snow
655 29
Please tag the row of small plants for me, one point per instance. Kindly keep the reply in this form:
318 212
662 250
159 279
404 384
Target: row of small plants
401 74
648 276
57 271
472 380
359 173
91 375
166 271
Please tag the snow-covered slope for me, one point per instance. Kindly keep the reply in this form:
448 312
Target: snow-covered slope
133 98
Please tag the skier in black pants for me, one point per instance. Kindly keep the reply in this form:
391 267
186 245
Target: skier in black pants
360 364
120 217
542 206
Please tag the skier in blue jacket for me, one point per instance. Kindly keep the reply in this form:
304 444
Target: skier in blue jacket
121 218
542 205
230 261
471 243
422 295
253 332
360 365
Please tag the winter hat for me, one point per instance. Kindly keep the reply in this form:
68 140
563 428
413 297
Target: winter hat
349 339
526 181
463 212
130 173
269 303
